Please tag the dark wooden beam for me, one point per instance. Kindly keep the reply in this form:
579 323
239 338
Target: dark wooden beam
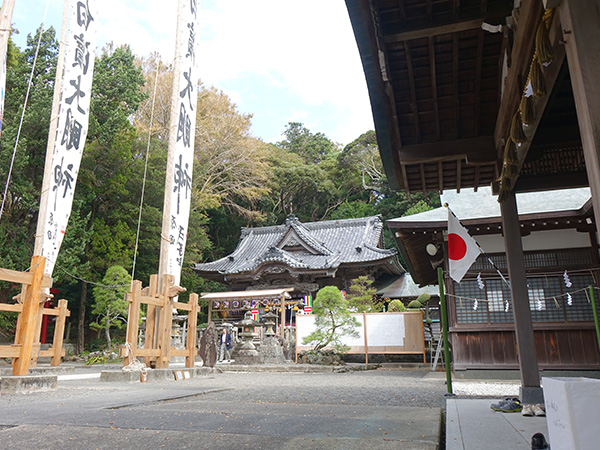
479 150
413 91
455 83
432 70
478 82
423 180
434 30
522 51
402 10
440 176
459 174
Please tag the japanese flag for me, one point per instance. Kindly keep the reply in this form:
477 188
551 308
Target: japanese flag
462 248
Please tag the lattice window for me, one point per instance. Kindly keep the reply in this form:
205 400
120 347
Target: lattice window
549 300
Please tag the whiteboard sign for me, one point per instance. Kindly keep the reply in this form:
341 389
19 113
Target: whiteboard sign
386 333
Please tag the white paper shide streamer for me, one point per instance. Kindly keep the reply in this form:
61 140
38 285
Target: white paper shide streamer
72 125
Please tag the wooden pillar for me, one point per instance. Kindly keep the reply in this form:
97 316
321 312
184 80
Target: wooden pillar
580 21
133 321
282 324
28 318
192 325
151 320
530 379
166 323
59 333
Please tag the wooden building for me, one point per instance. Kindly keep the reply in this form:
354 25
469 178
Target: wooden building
466 94
305 256
559 237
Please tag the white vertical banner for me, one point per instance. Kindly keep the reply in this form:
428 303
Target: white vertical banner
72 126
5 23
178 186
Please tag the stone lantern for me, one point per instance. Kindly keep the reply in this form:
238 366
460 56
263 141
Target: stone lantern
270 350
248 353
270 321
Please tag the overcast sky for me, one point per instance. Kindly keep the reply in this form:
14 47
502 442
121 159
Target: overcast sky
279 60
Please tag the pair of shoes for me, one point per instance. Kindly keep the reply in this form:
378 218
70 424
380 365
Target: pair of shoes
507 405
539 410
538 442
527 410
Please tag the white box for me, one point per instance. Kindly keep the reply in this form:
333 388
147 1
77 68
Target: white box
572 412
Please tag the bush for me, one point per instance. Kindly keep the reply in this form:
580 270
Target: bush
396 306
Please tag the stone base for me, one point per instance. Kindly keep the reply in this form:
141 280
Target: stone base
118 376
271 352
27 384
247 357
531 395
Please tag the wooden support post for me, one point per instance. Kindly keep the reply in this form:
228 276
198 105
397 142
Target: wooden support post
192 325
133 320
151 319
581 34
366 341
28 318
166 323
530 379
282 324
59 333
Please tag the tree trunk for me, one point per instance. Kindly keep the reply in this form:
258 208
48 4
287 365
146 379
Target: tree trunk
107 335
81 319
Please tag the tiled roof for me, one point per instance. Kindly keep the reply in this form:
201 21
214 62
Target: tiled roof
306 246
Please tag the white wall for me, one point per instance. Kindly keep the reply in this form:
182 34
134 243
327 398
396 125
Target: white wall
539 240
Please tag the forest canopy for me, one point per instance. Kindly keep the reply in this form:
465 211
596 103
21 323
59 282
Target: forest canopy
239 180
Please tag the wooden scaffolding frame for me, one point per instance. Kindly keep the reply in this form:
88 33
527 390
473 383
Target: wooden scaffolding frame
159 317
26 348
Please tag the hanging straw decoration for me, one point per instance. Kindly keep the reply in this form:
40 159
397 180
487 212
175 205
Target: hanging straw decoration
506 307
538 81
511 159
475 304
543 46
528 110
556 303
516 129
569 300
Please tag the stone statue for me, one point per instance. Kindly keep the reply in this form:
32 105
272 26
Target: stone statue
208 346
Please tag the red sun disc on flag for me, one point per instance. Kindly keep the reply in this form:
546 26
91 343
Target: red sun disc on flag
457 247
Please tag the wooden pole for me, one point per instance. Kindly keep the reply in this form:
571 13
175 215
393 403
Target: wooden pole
282 324
366 342
28 318
151 315
133 321
192 324
444 319
166 321
59 332
581 34
595 312
41 223
531 392
169 180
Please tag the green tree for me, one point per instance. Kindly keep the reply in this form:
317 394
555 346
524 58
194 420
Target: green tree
19 216
361 295
110 304
396 306
333 320
311 147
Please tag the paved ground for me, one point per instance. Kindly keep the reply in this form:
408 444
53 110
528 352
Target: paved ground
385 408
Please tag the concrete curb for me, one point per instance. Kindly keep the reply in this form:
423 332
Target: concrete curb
178 374
27 384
